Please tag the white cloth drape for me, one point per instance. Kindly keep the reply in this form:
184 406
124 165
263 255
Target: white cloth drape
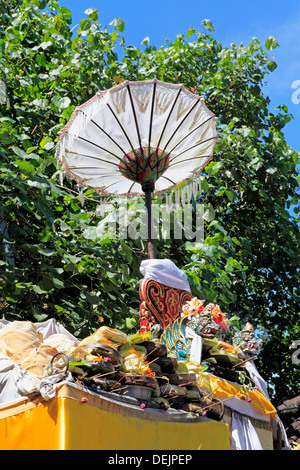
17 383
256 377
261 384
196 346
165 272
244 436
47 328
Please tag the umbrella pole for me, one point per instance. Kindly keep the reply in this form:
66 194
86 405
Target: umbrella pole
148 189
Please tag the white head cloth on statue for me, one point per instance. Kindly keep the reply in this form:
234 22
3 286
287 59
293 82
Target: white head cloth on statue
165 272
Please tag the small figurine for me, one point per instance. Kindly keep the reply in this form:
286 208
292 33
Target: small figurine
246 341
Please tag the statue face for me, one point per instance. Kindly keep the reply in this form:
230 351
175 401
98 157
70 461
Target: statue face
204 325
247 342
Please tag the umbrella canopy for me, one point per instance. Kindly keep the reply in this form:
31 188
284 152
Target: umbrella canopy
136 135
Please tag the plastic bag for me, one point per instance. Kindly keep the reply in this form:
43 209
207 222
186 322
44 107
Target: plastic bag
60 342
105 335
17 337
36 360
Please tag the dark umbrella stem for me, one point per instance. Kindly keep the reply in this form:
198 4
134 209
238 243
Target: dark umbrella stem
148 189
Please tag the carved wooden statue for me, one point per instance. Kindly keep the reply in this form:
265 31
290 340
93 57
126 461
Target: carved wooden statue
160 304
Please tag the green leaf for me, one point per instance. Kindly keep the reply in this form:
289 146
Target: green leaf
190 32
58 283
92 13
271 65
271 43
244 131
90 233
130 323
38 315
271 170
209 250
236 241
3 95
45 44
25 166
41 103
208 25
92 299
230 195
114 35
209 213
7 119
45 251
49 145
119 24
61 101
38 290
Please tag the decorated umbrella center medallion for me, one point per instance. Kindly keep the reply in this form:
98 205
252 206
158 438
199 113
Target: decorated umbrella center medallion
144 165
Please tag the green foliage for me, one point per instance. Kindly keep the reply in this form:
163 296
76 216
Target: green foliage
55 263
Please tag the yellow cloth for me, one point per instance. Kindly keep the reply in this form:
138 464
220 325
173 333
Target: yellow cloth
69 423
225 390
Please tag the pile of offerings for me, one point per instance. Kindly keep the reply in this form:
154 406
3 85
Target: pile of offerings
225 361
229 361
144 368
140 368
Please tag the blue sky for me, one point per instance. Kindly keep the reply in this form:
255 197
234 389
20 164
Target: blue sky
234 22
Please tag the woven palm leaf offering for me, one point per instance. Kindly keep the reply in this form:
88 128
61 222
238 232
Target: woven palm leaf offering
97 355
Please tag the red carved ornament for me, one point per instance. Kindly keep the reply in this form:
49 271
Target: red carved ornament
160 304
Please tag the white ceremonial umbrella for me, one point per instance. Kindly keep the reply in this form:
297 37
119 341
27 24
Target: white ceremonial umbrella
138 137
